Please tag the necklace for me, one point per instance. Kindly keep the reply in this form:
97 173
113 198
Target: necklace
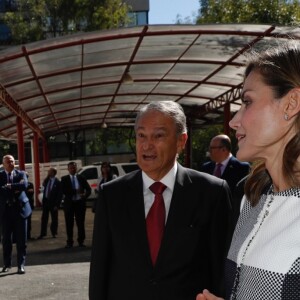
238 271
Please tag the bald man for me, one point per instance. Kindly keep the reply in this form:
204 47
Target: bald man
224 165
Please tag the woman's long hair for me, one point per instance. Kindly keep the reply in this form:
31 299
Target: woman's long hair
279 68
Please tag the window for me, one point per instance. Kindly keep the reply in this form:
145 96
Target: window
90 173
130 168
138 18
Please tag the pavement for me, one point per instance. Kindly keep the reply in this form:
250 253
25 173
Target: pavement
52 272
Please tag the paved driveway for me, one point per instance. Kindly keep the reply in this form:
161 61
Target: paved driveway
52 272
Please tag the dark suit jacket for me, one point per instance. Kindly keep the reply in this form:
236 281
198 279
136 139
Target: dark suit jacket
233 173
55 196
193 248
18 188
68 191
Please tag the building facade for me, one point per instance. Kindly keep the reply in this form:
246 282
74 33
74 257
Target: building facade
140 12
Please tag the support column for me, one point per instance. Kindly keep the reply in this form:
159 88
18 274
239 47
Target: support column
21 148
36 168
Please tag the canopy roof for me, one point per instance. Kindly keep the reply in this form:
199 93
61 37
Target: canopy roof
77 81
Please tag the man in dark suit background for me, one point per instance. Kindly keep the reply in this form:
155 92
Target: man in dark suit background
231 169
14 211
128 261
76 190
30 195
52 196
224 165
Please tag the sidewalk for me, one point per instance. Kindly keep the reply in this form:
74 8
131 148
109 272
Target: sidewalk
52 272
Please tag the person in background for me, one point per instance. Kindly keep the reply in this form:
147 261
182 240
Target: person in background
29 193
76 190
160 232
107 175
223 164
14 211
264 258
52 197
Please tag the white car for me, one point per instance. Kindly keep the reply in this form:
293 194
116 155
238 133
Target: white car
92 173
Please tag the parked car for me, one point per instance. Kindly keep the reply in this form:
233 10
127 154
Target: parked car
92 173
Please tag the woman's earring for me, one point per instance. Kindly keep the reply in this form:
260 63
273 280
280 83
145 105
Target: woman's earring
286 117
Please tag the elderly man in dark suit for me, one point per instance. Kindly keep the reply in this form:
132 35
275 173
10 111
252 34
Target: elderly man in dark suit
76 190
14 211
52 196
160 232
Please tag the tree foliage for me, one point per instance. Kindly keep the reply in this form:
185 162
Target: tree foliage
33 20
112 138
283 12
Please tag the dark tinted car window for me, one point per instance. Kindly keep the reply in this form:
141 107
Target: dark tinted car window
90 173
130 168
115 170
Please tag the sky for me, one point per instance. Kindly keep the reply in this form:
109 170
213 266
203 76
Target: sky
166 11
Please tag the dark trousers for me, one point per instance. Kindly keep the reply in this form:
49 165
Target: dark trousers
45 218
75 211
29 227
14 229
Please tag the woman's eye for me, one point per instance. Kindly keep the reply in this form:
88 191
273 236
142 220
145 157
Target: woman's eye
246 102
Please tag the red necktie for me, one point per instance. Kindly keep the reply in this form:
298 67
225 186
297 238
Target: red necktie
156 220
217 171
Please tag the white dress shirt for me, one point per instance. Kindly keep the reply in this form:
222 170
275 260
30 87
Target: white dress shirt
168 180
225 163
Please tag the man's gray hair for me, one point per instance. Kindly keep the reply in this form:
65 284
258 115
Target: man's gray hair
169 108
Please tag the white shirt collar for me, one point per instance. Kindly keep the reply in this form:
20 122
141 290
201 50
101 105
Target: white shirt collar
168 180
225 162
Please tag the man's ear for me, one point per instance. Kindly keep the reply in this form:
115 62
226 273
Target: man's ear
181 141
292 106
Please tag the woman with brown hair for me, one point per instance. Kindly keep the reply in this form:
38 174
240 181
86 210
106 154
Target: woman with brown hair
264 258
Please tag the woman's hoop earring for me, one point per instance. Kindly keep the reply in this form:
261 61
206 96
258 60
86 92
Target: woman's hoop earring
286 117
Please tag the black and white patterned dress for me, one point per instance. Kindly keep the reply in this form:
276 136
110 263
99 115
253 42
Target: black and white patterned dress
264 258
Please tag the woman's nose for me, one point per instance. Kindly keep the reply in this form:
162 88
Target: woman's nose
234 123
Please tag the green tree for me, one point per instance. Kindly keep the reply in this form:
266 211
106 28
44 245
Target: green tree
112 137
36 20
27 22
101 14
283 12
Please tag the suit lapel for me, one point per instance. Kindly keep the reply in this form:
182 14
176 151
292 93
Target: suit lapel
136 210
16 175
180 212
228 169
212 168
